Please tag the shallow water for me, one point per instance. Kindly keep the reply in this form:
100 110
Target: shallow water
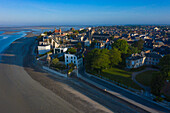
6 40
1 32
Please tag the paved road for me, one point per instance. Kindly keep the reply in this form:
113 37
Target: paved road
126 94
19 93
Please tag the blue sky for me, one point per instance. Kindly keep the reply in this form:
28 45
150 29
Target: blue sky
86 12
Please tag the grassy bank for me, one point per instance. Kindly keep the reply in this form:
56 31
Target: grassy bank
145 78
121 76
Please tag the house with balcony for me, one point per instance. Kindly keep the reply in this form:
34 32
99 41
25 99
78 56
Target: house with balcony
76 59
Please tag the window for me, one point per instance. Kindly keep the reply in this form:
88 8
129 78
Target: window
74 61
67 60
71 57
74 57
67 56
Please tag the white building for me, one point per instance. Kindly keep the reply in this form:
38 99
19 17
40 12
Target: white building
135 61
87 42
81 29
80 37
76 59
42 49
60 50
138 60
42 34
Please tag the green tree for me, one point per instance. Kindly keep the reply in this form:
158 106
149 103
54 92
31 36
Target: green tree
101 60
49 33
157 83
115 56
158 79
90 57
79 45
72 29
73 36
71 50
54 62
112 37
138 44
132 50
93 43
71 65
165 61
121 45
165 65
76 32
45 32
82 31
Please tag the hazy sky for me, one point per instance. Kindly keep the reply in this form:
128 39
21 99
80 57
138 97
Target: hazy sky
64 12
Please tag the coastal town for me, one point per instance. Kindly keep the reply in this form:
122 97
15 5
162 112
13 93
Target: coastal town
92 56
132 57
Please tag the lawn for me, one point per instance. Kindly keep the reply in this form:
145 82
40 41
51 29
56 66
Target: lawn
121 76
145 77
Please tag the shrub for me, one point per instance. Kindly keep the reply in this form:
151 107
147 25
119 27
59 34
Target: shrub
54 62
158 99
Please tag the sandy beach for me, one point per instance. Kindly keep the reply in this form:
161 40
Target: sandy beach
19 92
9 32
30 34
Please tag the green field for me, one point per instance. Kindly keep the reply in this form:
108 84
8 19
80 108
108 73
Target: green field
145 77
121 76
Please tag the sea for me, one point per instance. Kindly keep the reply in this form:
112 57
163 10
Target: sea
7 39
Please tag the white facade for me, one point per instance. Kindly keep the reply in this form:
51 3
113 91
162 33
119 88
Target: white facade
135 63
71 58
44 49
87 42
54 43
42 34
81 29
60 50
81 38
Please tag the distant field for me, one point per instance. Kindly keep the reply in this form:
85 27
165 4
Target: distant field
121 76
145 78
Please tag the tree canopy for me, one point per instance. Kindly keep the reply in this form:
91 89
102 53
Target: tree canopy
158 79
165 65
72 50
138 44
54 62
112 37
157 83
99 59
115 56
121 45
79 45
93 43
132 50
76 31
165 61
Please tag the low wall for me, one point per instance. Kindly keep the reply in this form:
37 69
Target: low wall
55 72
